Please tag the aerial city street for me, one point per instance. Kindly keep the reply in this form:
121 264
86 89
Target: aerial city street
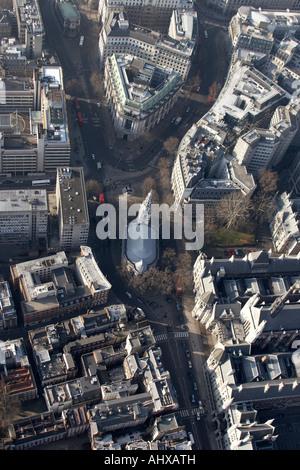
149 236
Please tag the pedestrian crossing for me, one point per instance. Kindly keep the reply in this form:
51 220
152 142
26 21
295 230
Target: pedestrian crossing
161 337
185 413
166 336
181 334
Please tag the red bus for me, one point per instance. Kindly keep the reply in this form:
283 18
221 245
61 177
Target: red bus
80 120
101 198
76 103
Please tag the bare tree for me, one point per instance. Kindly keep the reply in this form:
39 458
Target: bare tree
267 182
9 409
95 81
263 196
93 188
73 87
171 144
233 209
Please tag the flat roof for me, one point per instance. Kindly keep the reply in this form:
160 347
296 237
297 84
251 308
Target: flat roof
72 196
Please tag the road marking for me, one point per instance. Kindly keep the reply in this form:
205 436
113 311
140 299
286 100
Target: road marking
161 337
181 334
185 413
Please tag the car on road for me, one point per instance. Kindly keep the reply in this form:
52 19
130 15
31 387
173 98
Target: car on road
190 364
93 156
193 398
195 386
128 294
98 104
187 352
229 252
198 415
178 306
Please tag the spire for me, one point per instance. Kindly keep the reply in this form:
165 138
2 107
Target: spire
145 210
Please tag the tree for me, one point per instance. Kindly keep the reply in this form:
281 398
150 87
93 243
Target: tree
233 209
93 188
171 144
214 90
183 270
9 408
267 182
73 87
263 196
95 81
261 206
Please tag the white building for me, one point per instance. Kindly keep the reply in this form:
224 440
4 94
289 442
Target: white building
154 14
30 27
140 250
231 6
118 36
23 216
139 94
8 313
34 135
73 216
53 139
284 224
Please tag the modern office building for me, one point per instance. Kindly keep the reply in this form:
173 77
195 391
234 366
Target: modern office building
52 124
139 93
23 216
30 27
34 135
72 209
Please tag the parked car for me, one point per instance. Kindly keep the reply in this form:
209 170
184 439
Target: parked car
195 386
178 306
190 364
187 352
128 294
93 156
193 398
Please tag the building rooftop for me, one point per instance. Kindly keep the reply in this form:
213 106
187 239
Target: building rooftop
74 209
55 118
23 200
69 10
